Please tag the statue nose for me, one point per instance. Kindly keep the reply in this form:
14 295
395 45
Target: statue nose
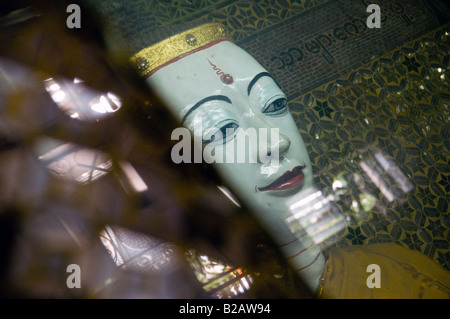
275 148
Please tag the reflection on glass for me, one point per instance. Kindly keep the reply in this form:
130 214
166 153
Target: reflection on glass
138 252
131 250
229 195
385 174
394 171
351 193
132 177
314 217
379 184
79 101
219 280
73 162
142 253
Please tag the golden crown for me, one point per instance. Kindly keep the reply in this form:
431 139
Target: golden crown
158 55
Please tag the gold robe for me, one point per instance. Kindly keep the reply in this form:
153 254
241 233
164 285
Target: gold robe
403 274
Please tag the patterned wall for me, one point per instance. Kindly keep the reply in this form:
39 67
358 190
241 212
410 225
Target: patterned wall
398 105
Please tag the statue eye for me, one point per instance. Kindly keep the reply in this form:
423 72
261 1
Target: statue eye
279 106
222 133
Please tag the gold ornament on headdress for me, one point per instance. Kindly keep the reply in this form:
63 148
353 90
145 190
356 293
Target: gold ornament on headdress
157 55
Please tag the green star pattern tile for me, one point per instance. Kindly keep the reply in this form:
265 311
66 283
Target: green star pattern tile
397 105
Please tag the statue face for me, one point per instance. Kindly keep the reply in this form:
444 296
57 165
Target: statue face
221 89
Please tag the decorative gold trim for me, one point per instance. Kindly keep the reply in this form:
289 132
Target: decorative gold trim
156 55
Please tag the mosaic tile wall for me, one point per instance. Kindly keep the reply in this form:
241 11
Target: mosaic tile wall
399 105
354 94
318 45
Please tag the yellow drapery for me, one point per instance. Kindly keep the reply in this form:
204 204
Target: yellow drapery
404 274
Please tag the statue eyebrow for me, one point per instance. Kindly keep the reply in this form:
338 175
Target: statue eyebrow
257 77
206 99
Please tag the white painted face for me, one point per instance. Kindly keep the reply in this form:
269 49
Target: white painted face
222 87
